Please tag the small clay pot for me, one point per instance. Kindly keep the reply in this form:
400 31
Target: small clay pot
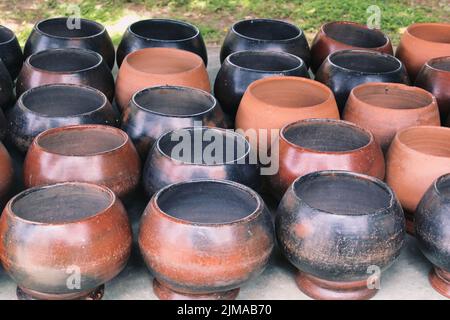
168 33
52 233
324 144
10 52
6 87
343 70
266 35
334 227
421 42
97 154
56 105
345 35
156 67
6 174
386 108
63 32
203 239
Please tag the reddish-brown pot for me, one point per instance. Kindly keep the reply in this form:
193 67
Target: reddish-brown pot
6 173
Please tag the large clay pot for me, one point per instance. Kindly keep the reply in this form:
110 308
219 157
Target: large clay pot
386 108
324 144
10 52
64 241
334 227
156 67
345 35
6 87
6 174
203 239
151 33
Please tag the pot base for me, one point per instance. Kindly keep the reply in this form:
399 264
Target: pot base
440 281
27 294
409 219
164 293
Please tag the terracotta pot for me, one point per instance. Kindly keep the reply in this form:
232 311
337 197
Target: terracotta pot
266 35
386 108
151 33
63 32
6 87
56 105
324 144
334 226
6 174
156 110
10 52
49 233
422 42
159 66
345 35
203 239
97 154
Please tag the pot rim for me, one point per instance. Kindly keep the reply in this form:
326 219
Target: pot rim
169 21
436 185
101 27
10 32
299 31
429 24
428 64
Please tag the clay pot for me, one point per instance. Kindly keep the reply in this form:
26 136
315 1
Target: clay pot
10 52
151 33
343 70
156 110
97 154
334 226
203 239
56 105
6 87
3 125
159 66
50 233
242 68
6 174
421 42
324 144
386 108
266 35
345 35
63 32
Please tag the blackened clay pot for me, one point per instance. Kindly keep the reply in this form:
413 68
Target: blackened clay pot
10 52
266 35
6 87
203 239
62 32
49 233
335 226
6 174
56 105
3 125
167 33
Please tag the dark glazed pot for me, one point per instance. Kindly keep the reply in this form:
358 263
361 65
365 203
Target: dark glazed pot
334 226
10 52
168 33
62 32
6 174
266 35
49 233
344 70
73 66
57 105
203 239
6 87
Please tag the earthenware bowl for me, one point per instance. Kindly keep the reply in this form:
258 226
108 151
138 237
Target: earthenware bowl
6 87
97 154
203 239
10 52
335 227
64 241
167 33
6 174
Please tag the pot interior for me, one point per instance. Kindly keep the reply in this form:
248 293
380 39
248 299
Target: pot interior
165 30
64 60
439 33
434 141
366 62
66 28
266 29
163 61
5 34
443 185
265 61
355 35
440 63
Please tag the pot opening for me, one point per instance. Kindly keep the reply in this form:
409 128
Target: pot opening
434 141
439 33
355 35
265 61
442 64
265 29
65 28
367 62
5 34
64 60
443 185
165 30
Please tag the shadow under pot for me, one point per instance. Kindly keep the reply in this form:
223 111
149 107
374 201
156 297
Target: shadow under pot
6 174
71 66
97 154
10 52
56 105
63 32
266 35
334 226
324 144
49 232
203 239
167 33
6 87
344 70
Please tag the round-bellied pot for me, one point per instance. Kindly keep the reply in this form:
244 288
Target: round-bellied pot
6 173
63 32
421 42
156 110
6 87
266 35
386 108
324 144
49 233
57 105
10 52
156 67
203 239
334 227
242 68
345 35
168 33
97 154
343 70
